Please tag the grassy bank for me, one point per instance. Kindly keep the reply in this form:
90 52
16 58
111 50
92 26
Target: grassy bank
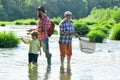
28 21
8 40
19 22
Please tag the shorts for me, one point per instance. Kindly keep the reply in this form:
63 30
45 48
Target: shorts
32 58
44 44
65 49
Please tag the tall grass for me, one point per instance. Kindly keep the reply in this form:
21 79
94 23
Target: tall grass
96 36
81 27
8 40
56 20
115 33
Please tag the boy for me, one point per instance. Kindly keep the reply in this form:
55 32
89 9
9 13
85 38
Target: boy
33 48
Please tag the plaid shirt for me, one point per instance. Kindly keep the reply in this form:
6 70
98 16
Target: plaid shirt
66 27
44 22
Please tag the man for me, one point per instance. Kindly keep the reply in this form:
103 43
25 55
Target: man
42 27
65 39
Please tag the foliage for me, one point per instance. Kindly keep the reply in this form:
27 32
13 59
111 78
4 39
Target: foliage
8 40
96 36
5 22
55 32
18 23
100 30
103 26
115 33
103 14
81 27
117 17
89 21
32 23
22 9
56 20
2 24
25 22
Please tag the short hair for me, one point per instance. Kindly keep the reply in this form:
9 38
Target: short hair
34 33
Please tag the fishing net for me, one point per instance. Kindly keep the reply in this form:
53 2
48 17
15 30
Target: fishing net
86 46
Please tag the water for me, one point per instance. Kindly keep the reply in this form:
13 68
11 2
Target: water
104 64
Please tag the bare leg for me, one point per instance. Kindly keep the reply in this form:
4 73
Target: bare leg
68 62
29 65
62 61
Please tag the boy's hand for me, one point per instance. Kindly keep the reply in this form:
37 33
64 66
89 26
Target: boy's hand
28 33
30 30
21 38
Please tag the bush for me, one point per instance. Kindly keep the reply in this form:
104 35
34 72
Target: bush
18 23
81 28
115 33
55 32
100 27
25 22
56 20
96 36
8 40
2 24
32 23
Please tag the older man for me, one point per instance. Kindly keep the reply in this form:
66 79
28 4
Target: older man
65 39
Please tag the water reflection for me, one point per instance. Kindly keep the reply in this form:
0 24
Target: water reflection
86 77
65 74
33 72
48 71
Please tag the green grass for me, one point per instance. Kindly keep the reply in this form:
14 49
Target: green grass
96 36
115 33
8 40
20 22
25 21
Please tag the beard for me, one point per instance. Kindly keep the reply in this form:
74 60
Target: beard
39 15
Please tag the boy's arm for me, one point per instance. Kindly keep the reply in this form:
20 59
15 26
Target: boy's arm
40 51
39 48
24 41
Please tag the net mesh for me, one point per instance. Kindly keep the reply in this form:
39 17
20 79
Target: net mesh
86 46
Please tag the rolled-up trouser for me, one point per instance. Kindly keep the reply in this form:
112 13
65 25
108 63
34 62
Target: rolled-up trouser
44 43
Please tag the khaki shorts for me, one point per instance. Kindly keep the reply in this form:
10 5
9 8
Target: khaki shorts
65 49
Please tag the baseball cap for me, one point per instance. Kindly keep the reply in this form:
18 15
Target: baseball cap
68 13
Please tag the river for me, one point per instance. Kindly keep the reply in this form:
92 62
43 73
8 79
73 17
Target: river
103 64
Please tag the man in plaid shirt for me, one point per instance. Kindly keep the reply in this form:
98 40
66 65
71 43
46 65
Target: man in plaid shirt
42 27
65 39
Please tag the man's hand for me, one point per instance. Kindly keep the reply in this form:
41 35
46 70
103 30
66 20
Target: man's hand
41 30
77 35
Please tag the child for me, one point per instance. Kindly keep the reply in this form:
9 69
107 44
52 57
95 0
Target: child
33 48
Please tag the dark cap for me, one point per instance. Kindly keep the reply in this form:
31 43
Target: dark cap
41 8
